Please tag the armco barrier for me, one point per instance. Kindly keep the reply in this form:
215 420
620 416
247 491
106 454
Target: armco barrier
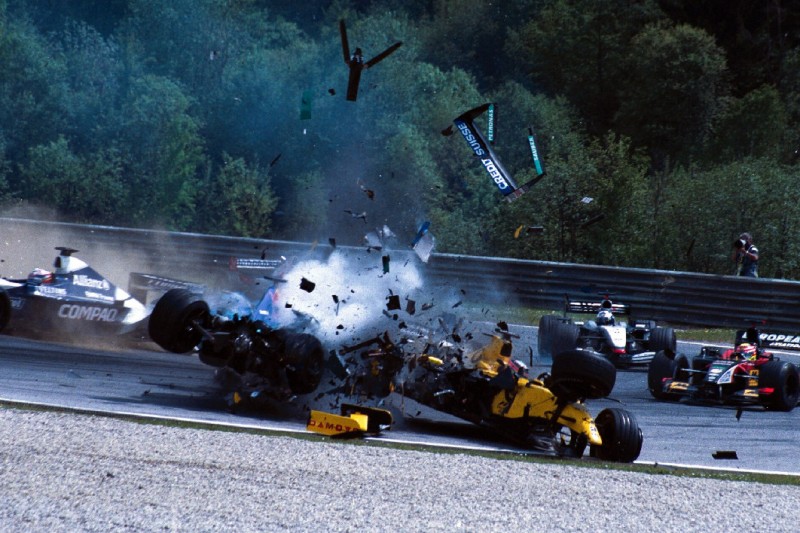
676 297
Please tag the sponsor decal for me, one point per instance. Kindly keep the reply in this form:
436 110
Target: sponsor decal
494 173
98 296
82 280
44 289
324 425
780 340
471 140
88 312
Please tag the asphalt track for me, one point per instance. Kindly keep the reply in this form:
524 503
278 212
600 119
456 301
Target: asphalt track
149 382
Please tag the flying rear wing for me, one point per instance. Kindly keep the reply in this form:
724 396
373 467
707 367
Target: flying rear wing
500 176
141 285
577 306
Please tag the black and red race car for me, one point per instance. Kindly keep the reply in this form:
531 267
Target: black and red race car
743 375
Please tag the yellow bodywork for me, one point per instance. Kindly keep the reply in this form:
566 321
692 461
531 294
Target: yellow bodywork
530 398
337 425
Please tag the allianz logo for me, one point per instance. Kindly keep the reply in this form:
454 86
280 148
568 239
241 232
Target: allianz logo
82 280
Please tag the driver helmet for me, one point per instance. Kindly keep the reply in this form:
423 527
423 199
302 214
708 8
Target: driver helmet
746 352
40 275
605 318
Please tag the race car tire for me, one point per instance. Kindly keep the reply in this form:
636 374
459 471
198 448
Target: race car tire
782 377
621 435
661 367
5 309
306 358
662 339
547 327
565 337
682 367
170 324
579 374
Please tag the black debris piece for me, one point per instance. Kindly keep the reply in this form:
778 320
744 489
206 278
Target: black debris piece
335 298
272 163
385 259
332 242
288 305
457 304
425 307
738 413
306 285
340 326
725 454
448 131
402 325
456 337
332 91
356 61
393 302
411 307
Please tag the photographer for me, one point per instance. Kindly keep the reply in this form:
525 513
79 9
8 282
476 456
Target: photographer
745 255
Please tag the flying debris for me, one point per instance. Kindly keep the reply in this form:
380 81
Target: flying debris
424 242
362 215
393 302
306 285
529 230
500 176
356 61
448 131
274 161
305 105
537 162
369 192
355 421
490 130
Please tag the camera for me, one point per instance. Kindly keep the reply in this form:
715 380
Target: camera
738 243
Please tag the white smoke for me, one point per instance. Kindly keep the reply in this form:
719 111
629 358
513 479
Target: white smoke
358 282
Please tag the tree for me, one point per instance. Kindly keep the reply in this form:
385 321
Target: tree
676 76
164 152
578 48
242 202
82 189
754 126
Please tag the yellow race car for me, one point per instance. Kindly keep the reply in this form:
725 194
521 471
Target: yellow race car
489 388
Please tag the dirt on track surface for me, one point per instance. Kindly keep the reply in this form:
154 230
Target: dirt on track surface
68 472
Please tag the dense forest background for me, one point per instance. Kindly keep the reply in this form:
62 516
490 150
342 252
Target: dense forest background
677 118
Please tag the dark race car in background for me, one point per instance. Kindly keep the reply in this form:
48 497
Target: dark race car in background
623 343
743 375
71 300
